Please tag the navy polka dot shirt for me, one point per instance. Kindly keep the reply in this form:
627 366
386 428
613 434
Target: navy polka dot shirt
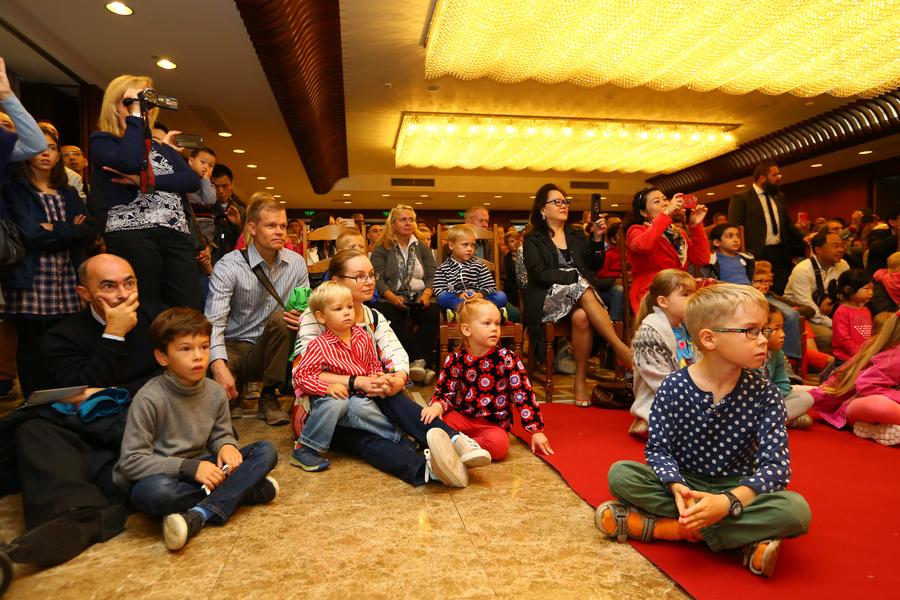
744 435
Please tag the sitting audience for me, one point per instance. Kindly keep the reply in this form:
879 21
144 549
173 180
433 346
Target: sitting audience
727 263
796 399
882 242
852 321
463 277
886 287
684 493
180 460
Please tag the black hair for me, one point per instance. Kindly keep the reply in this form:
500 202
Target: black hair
718 231
837 220
196 152
222 171
161 126
538 223
638 203
819 239
844 287
762 169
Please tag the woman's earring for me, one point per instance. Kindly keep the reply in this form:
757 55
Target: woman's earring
543 216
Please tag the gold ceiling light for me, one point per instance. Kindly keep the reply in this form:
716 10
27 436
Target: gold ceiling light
839 47
493 142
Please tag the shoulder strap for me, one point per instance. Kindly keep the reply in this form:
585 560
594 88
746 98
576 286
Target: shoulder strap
817 270
263 279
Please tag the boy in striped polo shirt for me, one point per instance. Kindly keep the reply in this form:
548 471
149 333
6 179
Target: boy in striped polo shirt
462 276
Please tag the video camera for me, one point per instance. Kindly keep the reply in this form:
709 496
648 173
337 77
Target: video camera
152 99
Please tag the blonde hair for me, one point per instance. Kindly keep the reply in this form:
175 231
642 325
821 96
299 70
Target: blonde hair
845 377
259 202
666 282
762 267
893 262
343 240
468 311
455 233
112 99
879 321
715 305
328 292
387 239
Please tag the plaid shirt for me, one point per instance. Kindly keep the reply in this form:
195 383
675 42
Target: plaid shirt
53 290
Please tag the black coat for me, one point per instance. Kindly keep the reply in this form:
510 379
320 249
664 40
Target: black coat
745 209
542 266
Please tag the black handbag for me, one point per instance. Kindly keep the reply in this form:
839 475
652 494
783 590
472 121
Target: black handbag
12 249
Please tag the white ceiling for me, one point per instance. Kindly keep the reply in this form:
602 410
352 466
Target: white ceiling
383 76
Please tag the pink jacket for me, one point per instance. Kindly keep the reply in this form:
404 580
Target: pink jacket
880 378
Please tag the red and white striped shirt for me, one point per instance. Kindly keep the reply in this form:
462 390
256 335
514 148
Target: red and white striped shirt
328 353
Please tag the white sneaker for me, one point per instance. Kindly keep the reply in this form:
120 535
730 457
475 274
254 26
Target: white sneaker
429 377
417 371
252 391
442 462
883 433
470 453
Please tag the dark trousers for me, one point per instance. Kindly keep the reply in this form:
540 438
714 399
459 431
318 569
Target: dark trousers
781 267
267 358
161 495
401 460
416 328
31 369
65 464
164 261
407 415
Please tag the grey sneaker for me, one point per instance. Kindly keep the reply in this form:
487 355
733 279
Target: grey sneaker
442 462
270 411
178 528
252 390
470 453
417 370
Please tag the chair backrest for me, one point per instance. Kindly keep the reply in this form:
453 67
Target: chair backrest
491 235
329 233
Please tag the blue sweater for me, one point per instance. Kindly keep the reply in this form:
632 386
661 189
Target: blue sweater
126 155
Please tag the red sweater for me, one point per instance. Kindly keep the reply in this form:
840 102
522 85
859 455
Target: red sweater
649 252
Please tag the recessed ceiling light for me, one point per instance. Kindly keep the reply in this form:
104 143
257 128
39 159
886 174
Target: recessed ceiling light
498 196
532 197
742 185
347 202
165 63
568 197
423 195
601 197
419 202
282 202
238 151
816 165
270 187
252 166
385 195
119 8
460 195
710 193
347 195
276 195
865 152
613 204
262 177
224 134
487 203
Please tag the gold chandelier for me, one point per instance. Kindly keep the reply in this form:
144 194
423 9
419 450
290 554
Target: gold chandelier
447 141
802 47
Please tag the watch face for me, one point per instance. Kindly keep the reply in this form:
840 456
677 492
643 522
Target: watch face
736 509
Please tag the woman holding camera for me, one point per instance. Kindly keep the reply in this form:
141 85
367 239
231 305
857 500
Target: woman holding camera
149 228
654 241
405 267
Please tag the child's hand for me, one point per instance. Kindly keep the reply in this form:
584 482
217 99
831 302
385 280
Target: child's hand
540 442
337 390
683 498
707 509
231 456
209 475
477 296
432 412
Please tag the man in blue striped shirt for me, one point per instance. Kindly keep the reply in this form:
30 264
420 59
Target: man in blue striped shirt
252 336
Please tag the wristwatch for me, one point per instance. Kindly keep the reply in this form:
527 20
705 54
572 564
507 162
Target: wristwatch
736 507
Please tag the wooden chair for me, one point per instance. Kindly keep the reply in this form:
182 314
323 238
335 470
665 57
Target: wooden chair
329 233
450 331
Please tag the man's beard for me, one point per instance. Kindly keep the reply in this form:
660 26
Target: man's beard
772 189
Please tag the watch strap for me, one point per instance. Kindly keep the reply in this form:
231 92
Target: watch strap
733 500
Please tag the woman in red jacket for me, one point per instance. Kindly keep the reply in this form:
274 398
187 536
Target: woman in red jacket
654 242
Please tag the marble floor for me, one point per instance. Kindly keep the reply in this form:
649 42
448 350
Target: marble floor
517 531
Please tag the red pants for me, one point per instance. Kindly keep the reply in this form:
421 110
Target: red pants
492 438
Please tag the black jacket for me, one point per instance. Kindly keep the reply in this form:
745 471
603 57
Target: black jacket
745 209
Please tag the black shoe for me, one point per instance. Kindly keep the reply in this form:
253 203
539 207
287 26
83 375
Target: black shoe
6 571
178 528
264 492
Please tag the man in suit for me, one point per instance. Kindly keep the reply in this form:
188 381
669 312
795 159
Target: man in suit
769 234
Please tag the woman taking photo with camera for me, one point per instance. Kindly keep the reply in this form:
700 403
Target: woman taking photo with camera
148 229
405 269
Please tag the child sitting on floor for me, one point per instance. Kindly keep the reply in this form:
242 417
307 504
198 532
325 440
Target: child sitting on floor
717 458
478 386
335 367
661 343
180 459
462 276
796 397
851 323
863 392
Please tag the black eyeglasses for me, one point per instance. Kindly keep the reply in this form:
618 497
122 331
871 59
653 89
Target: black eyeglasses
559 202
360 278
752 333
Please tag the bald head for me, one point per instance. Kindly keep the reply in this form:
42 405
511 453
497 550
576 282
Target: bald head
106 278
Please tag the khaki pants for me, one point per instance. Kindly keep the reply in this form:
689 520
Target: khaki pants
264 360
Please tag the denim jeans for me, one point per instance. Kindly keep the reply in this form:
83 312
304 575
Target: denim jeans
408 417
357 412
614 299
793 342
161 495
451 300
401 460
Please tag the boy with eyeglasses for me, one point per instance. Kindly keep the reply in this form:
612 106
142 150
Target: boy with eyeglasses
717 457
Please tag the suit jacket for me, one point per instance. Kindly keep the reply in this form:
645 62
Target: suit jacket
745 209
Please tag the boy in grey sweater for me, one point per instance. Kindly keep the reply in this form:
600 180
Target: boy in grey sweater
179 457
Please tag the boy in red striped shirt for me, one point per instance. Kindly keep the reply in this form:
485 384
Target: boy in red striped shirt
322 372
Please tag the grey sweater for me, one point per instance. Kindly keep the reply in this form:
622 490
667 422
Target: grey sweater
170 426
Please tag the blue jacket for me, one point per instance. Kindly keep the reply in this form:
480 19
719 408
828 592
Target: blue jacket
126 155
25 209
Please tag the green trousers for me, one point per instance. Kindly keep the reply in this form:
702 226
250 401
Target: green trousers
775 515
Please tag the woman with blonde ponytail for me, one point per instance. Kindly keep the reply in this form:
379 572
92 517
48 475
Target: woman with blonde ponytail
661 343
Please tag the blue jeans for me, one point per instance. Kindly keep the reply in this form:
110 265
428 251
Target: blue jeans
614 299
401 460
451 300
793 341
408 416
358 412
161 495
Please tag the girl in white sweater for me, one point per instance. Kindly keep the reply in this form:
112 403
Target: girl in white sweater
661 344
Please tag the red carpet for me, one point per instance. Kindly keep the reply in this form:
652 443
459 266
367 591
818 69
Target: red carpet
852 485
